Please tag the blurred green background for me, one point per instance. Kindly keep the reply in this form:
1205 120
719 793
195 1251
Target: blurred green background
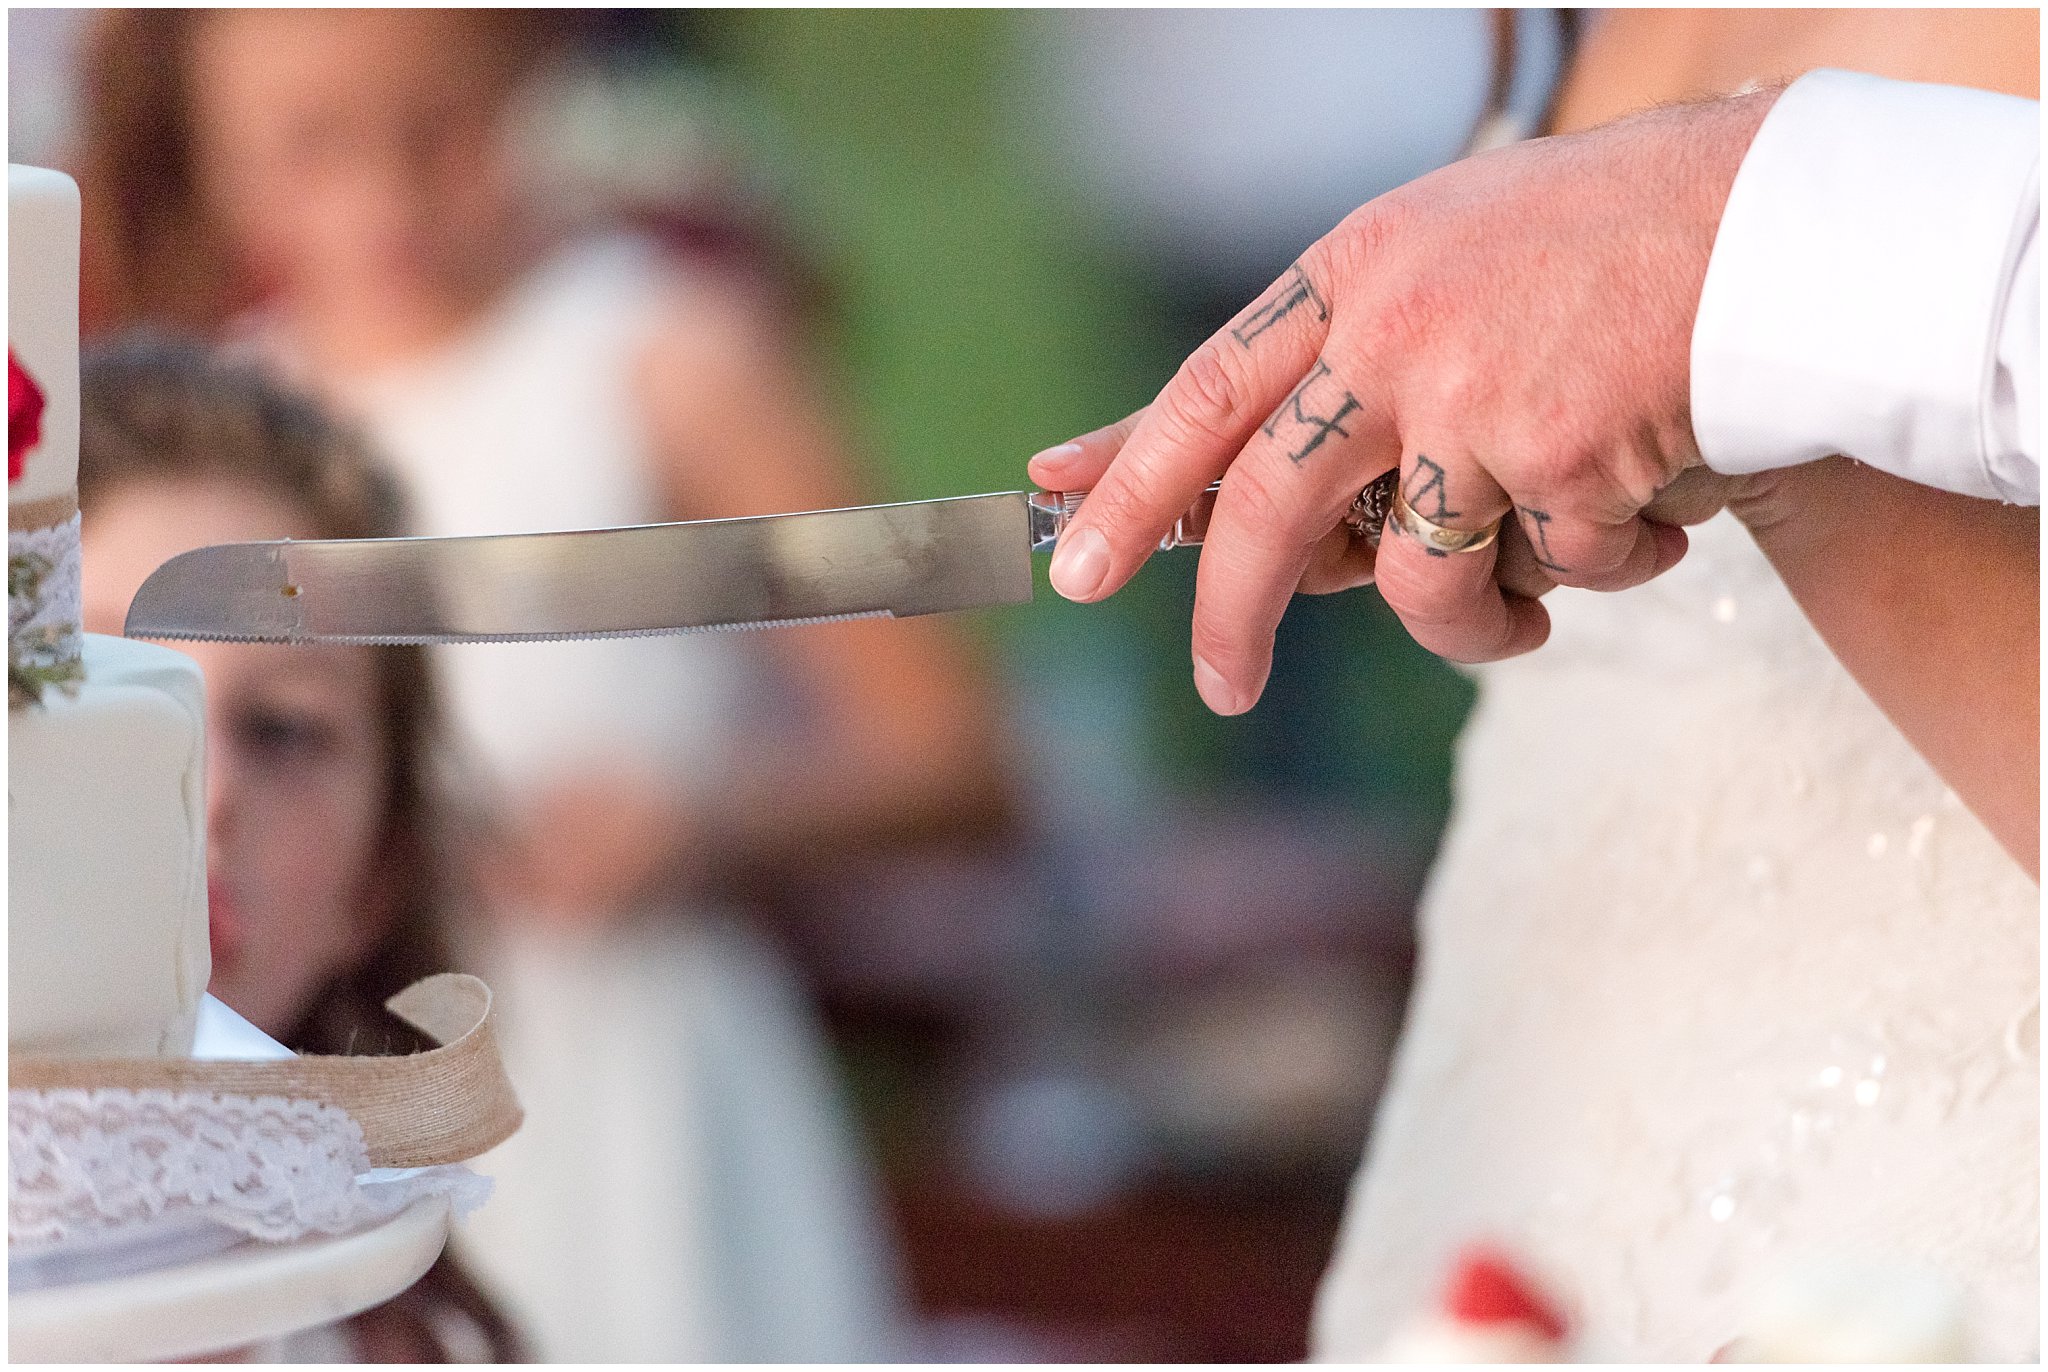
982 316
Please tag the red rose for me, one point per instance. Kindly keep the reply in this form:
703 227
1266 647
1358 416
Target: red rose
24 416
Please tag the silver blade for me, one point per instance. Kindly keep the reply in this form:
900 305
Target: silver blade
907 559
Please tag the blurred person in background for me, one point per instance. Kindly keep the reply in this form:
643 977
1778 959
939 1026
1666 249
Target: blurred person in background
329 885
350 194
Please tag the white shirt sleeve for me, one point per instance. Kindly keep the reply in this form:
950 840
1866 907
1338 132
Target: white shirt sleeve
1874 289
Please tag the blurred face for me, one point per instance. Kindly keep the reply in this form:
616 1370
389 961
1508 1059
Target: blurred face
294 759
355 155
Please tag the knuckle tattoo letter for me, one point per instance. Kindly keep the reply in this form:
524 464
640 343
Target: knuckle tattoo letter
1286 295
1426 493
1538 524
1314 428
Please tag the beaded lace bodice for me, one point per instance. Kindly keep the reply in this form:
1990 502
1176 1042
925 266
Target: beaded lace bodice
1715 973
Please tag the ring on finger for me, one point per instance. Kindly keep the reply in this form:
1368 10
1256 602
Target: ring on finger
1368 513
1436 536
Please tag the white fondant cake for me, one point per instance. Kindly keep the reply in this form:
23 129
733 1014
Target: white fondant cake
106 814
106 875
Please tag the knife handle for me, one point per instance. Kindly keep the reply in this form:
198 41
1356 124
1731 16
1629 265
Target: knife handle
1050 511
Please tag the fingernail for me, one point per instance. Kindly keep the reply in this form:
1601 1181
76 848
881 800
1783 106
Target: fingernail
1056 456
1216 693
1079 564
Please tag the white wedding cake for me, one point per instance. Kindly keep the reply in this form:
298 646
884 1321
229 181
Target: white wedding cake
106 811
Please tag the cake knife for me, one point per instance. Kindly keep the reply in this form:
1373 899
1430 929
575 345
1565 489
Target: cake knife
912 558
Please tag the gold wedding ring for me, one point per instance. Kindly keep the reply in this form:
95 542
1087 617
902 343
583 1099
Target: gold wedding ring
1436 536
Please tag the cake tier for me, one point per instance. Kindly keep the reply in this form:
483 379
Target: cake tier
106 874
42 334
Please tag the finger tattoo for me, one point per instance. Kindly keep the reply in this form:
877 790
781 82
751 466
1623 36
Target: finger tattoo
1286 295
1538 524
1426 493
1301 416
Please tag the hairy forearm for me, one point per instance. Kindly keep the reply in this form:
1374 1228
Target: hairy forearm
1931 601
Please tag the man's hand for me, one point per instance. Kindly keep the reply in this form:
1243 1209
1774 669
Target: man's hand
1513 331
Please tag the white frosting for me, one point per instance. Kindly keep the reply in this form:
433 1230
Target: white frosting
42 320
106 874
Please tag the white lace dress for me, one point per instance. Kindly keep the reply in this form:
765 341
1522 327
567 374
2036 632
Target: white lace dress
1715 973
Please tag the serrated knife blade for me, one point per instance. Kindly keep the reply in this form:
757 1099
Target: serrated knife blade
912 558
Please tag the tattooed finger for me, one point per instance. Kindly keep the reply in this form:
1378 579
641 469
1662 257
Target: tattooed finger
1196 427
1518 569
1293 291
1315 410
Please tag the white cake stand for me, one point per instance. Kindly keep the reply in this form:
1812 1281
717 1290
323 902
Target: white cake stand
237 1296
252 1292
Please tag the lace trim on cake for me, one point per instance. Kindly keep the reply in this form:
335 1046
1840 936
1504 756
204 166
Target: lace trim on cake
45 607
87 1164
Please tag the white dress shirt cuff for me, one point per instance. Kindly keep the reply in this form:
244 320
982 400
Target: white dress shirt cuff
1874 289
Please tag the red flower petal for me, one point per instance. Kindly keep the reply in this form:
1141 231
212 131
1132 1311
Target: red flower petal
24 416
1486 1288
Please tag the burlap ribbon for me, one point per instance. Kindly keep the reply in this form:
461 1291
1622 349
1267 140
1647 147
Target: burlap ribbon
42 514
447 1104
